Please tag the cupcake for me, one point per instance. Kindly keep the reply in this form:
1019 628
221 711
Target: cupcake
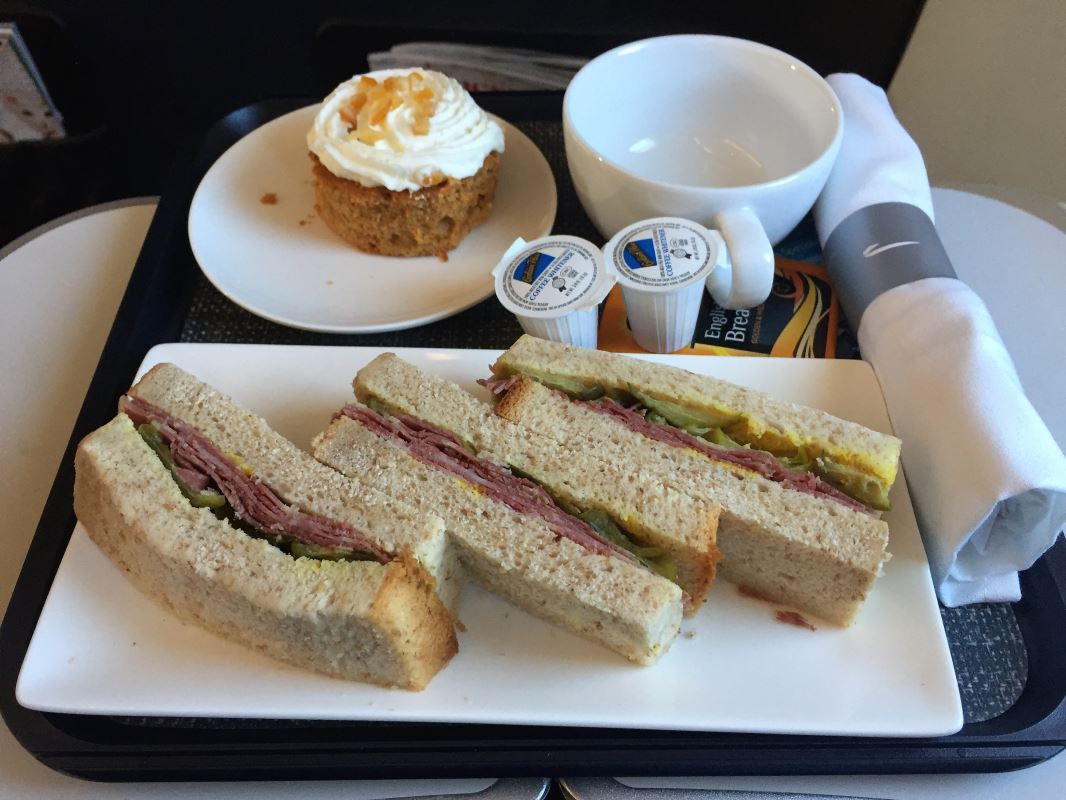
404 162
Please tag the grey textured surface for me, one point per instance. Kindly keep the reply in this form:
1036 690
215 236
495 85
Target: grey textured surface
991 662
986 644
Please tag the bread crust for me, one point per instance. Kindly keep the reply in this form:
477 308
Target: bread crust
364 621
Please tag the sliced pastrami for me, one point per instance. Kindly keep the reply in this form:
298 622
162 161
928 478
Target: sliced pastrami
500 386
757 461
200 461
442 450
192 477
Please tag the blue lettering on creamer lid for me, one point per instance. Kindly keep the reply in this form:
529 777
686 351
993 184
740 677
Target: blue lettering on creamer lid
552 276
662 253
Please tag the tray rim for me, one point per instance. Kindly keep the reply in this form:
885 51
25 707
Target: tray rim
152 311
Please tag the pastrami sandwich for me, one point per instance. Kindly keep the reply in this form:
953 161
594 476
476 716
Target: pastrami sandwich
641 514
800 490
530 531
232 527
510 535
860 462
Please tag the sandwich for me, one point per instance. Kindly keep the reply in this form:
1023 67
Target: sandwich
639 513
231 527
801 491
525 518
860 462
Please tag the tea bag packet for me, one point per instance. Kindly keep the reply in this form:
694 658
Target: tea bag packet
553 286
987 478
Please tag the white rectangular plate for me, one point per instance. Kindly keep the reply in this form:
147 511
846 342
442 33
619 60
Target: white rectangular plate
103 648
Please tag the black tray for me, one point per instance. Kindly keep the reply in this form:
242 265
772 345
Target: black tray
164 287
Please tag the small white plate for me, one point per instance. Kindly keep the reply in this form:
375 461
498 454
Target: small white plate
103 648
281 262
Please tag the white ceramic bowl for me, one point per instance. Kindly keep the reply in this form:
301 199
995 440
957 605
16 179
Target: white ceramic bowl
694 126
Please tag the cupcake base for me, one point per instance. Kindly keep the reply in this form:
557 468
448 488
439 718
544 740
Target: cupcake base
428 222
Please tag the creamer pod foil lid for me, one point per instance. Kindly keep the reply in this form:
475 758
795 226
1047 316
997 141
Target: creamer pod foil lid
661 255
551 276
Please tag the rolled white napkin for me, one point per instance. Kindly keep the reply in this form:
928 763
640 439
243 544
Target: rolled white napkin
987 479
878 161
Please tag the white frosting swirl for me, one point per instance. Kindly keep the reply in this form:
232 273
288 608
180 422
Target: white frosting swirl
459 137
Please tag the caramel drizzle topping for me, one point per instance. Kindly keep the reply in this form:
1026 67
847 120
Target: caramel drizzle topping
366 112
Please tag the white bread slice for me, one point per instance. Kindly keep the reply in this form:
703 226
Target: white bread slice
653 512
299 479
815 554
766 422
361 621
602 598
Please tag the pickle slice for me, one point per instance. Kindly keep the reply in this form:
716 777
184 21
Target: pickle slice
298 549
855 483
694 421
570 386
208 498
654 558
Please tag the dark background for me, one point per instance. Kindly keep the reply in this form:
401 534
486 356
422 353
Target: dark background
138 83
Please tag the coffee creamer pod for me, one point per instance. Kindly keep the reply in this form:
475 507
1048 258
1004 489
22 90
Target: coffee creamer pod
662 265
554 286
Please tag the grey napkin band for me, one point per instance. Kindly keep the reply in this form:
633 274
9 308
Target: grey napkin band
881 247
